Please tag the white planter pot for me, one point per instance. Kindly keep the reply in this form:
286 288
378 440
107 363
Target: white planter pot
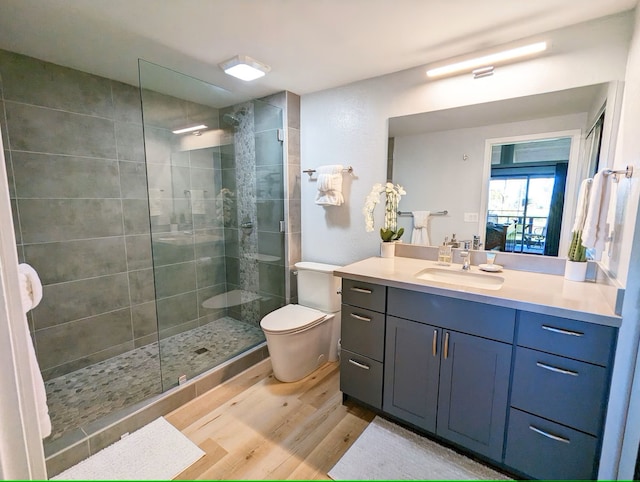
575 270
387 250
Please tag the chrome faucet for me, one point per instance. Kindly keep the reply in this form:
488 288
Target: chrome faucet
466 256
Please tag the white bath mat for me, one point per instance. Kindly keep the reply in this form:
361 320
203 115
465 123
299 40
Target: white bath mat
157 451
386 451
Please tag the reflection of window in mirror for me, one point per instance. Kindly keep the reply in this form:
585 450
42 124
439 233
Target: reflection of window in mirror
526 196
593 142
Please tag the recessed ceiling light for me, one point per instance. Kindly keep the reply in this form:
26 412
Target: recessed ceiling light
190 129
487 60
244 67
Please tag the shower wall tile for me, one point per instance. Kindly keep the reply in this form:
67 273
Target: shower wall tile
229 179
208 158
295 224
177 310
180 183
138 251
271 278
3 126
271 244
227 156
136 216
38 129
163 111
269 182
178 157
210 272
143 319
270 213
165 253
16 222
126 102
70 260
293 146
211 249
130 141
268 148
43 176
48 220
207 180
294 177
293 110
158 144
176 330
73 300
133 180
141 286
202 114
97 333
267 117
212 310
33 81
233 270
269 303
9 169
174 279
231 244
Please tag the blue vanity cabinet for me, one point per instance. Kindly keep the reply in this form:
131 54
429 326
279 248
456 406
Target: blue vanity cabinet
560 390
446 381
362 341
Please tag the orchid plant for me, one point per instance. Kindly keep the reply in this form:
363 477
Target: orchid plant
393 192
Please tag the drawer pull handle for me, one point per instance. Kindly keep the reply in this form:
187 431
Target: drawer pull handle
446 345
561 331
360 317
550 435
361 290
557 370
434 343
359 365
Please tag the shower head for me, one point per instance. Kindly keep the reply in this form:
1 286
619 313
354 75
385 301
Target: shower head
233 118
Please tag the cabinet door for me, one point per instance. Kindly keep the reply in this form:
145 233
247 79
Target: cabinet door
474 383
412 364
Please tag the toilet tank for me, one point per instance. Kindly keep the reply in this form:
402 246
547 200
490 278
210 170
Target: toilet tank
317 287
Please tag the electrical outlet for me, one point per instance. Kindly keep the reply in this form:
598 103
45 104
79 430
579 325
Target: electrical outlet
470 217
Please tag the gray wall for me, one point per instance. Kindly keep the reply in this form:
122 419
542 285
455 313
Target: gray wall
75 161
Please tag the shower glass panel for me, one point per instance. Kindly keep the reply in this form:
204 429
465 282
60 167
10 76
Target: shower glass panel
216 199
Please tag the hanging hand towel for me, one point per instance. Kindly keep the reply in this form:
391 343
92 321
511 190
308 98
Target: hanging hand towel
583 204
197 201
330 185
420 234
595 232
31 292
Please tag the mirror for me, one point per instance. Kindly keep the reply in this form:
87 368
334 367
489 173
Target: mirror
443 159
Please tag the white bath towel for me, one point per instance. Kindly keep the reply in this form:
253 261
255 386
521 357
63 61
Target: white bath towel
197 201
330 185
582 205
31 293
596 229
155 202
420 223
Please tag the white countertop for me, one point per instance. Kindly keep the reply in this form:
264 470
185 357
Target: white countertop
536 292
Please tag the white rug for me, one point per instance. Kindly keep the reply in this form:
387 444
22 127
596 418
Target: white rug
386 451
157 451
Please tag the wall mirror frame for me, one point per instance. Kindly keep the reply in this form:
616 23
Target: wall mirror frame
442 158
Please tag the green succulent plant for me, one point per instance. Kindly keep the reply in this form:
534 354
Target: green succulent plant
389 235
577 252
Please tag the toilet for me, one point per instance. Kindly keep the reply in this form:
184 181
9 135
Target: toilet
303 337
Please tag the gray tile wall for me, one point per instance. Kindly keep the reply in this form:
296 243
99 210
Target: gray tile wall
75 159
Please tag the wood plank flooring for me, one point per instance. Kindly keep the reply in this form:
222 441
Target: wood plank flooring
255 427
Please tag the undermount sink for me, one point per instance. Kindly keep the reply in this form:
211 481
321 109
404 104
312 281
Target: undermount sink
461 278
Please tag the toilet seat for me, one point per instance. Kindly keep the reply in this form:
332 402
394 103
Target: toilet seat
291 319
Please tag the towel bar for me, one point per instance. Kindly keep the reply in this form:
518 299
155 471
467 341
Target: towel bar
628 172
348 169
436 213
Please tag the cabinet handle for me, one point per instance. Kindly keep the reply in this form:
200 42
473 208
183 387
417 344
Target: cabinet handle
446 345
358 364
557 370
360 317
561 331
550 435
434 343
362 290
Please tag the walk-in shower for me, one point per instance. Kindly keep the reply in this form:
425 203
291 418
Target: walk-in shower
159 252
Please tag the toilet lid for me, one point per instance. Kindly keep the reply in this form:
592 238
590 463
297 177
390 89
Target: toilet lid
291 318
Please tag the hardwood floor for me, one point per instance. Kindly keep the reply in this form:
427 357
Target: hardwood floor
255 427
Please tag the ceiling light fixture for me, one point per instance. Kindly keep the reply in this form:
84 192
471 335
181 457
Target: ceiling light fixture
190 129
244 67
488 60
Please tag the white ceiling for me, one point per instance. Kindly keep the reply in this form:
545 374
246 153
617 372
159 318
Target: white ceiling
310 45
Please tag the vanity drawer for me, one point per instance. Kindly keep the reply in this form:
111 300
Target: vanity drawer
363 331
361 378
567 391
364 295
562 336
545 450
487 321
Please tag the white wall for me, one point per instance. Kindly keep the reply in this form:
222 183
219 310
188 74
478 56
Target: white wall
436 176
348 125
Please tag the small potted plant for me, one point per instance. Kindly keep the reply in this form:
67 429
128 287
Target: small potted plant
389 233
576 264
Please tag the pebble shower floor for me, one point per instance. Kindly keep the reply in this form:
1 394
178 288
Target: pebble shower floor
86 395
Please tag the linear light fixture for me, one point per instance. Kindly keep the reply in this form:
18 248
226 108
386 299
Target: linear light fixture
244 67
488 60
190 129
